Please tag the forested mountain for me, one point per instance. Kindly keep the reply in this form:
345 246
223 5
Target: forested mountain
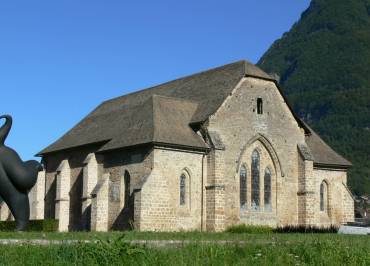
323 64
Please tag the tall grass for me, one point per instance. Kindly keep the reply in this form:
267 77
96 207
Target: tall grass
317 250
249 229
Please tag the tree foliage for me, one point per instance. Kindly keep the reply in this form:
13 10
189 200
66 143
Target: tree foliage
324 67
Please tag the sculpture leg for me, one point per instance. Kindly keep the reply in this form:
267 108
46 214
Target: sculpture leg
21 211
17 202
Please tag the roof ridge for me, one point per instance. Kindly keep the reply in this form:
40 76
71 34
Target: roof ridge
178 79
173 98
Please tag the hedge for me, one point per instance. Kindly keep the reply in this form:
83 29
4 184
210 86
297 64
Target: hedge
48 225
260 229
249 229
306 229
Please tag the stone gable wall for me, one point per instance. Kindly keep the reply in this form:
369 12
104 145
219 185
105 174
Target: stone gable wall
237 122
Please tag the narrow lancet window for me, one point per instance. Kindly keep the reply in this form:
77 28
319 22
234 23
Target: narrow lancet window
259 106
255 180
127 182
243 188
182 189
267 189
323 197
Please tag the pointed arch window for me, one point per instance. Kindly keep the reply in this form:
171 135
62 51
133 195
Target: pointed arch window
182 190
323 197
124 189
255 180
267 189
243 187
127 183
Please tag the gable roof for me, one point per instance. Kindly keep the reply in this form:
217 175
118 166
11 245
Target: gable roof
323 154
128 120
143 117
152 126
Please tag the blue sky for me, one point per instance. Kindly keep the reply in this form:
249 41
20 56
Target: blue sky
60 59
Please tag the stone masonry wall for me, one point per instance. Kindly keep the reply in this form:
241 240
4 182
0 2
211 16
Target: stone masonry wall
215 192
5 214
160 208
62 198
135 165
36 197
307 191
138 163
100 205
301 189
237 123
74 191
340 202
248 215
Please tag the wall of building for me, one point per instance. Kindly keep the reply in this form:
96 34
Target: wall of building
237 123
135 164
340 203
213 199
76 160
264 216
160 208
37 198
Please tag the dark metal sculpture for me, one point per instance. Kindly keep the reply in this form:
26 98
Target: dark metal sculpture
16 178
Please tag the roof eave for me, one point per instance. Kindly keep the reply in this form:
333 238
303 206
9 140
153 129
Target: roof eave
332 166
161 144
182 147
46 152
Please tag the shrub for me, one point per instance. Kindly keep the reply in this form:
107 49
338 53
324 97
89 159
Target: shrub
249 229
108 252
306 229
48 225
258 229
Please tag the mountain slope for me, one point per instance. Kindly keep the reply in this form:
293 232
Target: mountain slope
324 67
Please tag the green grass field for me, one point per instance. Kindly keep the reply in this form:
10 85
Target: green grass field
259 249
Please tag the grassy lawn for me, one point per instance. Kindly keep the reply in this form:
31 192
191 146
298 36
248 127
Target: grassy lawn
261 249
133 235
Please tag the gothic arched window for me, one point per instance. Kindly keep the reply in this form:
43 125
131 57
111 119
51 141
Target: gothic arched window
323 196
182 189
267 189
127 182
243 187
124 190
255 180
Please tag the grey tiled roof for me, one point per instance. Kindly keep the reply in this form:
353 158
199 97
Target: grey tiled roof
323 154
129 120
163 114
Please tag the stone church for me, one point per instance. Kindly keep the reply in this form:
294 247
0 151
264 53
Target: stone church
203 152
